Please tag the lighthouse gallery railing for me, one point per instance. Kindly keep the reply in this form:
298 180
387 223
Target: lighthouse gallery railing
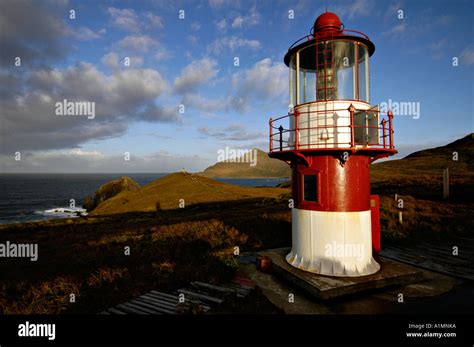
285 136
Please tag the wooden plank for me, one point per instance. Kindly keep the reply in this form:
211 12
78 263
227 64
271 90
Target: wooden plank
159 305
213 287
139 307
151 307
129 310
166 295
176 299
204 307
327 287
431 260
115 311
201 296
240 292
163 303
163 299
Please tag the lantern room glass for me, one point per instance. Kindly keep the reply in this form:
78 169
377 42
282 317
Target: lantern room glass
330 70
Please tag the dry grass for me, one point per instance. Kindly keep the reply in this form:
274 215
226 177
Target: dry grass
423 218
169 249
169 191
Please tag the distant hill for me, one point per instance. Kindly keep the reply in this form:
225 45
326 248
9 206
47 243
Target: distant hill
265 167
166 192
422 171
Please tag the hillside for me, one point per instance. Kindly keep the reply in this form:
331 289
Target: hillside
166 192
265 167
421 173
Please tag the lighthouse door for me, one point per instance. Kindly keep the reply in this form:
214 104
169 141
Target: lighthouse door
366 129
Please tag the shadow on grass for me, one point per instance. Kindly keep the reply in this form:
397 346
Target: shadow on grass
87 257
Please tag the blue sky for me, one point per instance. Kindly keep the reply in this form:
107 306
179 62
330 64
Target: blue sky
190 62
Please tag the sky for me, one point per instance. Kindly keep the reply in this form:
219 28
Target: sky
168 94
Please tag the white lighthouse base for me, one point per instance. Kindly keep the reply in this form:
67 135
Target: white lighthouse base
332 243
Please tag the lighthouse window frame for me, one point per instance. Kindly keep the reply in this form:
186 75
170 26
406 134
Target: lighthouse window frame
358 73
309 177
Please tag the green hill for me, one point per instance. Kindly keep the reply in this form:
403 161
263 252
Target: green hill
265 167
166 193
421 173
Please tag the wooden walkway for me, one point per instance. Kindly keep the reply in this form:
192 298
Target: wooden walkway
199 298
437 255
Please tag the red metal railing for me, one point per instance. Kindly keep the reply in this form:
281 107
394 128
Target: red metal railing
324 35
286 131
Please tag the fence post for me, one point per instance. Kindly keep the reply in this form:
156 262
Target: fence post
446 184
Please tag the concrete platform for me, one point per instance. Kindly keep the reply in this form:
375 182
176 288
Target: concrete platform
327 287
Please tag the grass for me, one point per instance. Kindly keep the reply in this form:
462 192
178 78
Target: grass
168 249
170 246
178 189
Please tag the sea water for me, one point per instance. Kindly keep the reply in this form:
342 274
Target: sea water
32 197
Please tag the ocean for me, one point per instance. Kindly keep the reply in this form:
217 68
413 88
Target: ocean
32 197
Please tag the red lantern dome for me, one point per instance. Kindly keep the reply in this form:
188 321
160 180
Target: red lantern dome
327 22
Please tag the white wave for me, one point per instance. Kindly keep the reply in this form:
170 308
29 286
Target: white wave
64 212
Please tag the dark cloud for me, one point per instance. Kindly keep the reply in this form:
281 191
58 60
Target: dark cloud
32 30
28 106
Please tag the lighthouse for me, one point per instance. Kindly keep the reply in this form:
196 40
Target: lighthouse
329 137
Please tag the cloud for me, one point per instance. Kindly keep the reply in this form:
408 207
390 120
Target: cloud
237 23
154 21
438 49
195 26
264 83
161 53
85 34
233 132
396 31
114 62
32 30
111 60
140 43
126 96
77 160
124 18
216 3
467 56
265 80
251 19
232 43
354 9
196 101
195 74
222 24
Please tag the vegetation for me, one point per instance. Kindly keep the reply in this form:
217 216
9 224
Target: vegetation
265 167
180 190
172 246
168 249
109 190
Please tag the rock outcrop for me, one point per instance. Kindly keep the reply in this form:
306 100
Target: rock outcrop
109 190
